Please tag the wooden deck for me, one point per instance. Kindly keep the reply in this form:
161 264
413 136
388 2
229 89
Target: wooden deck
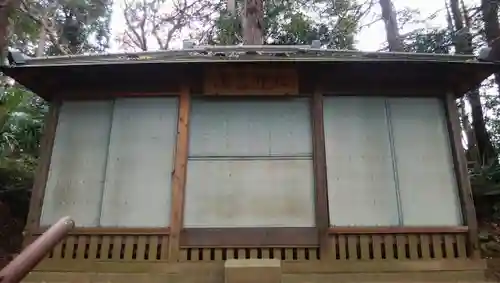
380 256
292 271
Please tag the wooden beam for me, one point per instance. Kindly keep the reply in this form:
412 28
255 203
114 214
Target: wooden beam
462 175
179 174
319 167
106 231
398 230
249 237
42 171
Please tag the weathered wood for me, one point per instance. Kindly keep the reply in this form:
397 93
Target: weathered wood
320 179
216 275
321 266
460 166
249 237
258 80
112 231
179 174
397 230
42 171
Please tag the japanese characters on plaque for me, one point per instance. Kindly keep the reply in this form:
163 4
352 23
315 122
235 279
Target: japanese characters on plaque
250 80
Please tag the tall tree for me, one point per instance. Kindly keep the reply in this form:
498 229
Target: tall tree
489 9
391 25
463 45
6 8
334 23
253 22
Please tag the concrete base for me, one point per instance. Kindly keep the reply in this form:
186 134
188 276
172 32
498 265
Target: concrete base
252 271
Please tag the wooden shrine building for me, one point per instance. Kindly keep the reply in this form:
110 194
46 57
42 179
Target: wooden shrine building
341 166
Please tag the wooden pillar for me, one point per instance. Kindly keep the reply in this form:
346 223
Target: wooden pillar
461 173
320 181
179 174
42 171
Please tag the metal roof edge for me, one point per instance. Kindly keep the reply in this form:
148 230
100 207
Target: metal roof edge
247 53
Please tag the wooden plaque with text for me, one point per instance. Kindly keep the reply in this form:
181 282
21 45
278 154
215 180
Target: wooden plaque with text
250 80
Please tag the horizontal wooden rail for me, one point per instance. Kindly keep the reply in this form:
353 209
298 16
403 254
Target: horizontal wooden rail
397 230
107 231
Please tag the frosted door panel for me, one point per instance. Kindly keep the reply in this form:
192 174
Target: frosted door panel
249 193
250 128
76 176
137 190
250 164
361 186
427 184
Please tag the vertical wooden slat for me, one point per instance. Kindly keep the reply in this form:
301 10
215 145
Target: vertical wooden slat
364 243
241 253
70 247
333 246
265 253
93 246
195 254
229 253
179 174
461 246
129 247
42 171
164 247
449 241
461 172
352 246
218 254
105 244
117 248
57 251
141 247
425 244
183 255
301 254
377 246
401 246
277 253
320 181
206 254
413 242
341 243
436 246
389 246
313 254
254 253
81 246
153 248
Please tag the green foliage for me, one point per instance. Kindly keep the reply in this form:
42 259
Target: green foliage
294 22
429 41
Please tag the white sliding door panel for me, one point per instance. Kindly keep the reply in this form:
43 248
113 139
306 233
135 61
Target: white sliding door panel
137 189
76 176
250 164
250 128
249 193
361 186
427 183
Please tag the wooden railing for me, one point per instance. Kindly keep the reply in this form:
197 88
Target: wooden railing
18 268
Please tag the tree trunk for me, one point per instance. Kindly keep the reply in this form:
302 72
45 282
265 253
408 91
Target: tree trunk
391 26
42 41
4 25
489 9
463 45
253 18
